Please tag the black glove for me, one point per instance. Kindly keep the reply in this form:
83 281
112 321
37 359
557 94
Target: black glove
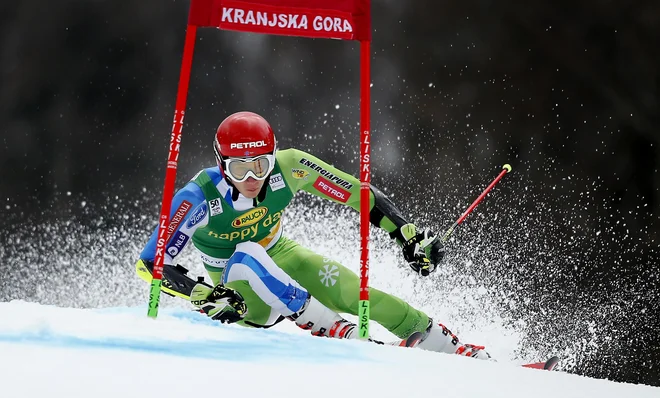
220 303
423 251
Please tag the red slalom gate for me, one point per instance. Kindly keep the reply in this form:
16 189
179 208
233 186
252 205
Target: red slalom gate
326 19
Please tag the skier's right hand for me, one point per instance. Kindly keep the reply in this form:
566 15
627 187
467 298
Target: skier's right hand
219 303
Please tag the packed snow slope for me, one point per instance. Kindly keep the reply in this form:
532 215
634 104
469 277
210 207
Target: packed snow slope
119 352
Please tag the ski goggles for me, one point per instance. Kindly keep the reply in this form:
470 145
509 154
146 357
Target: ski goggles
259 167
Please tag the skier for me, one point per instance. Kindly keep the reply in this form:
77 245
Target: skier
232 213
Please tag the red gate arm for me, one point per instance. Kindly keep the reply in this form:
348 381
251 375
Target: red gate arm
328 19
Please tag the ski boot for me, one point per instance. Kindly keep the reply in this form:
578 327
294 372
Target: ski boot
322 321
440 339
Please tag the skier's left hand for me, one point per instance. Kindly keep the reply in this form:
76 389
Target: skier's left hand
422 250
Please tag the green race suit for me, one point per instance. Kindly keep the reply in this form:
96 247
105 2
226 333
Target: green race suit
216 219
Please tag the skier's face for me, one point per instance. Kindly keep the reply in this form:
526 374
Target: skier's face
249 188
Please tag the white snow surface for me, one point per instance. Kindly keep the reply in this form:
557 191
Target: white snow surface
120 352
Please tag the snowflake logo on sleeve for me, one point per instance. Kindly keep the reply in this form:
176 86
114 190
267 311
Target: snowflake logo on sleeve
329 274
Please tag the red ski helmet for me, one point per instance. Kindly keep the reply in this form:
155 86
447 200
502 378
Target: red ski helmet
244 135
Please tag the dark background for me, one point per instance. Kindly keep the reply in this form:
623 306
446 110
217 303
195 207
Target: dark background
565 91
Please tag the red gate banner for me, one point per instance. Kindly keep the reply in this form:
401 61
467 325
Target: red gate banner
328 19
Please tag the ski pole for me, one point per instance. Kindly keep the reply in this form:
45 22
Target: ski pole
505 169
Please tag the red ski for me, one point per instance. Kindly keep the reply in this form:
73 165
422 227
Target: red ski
547 365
